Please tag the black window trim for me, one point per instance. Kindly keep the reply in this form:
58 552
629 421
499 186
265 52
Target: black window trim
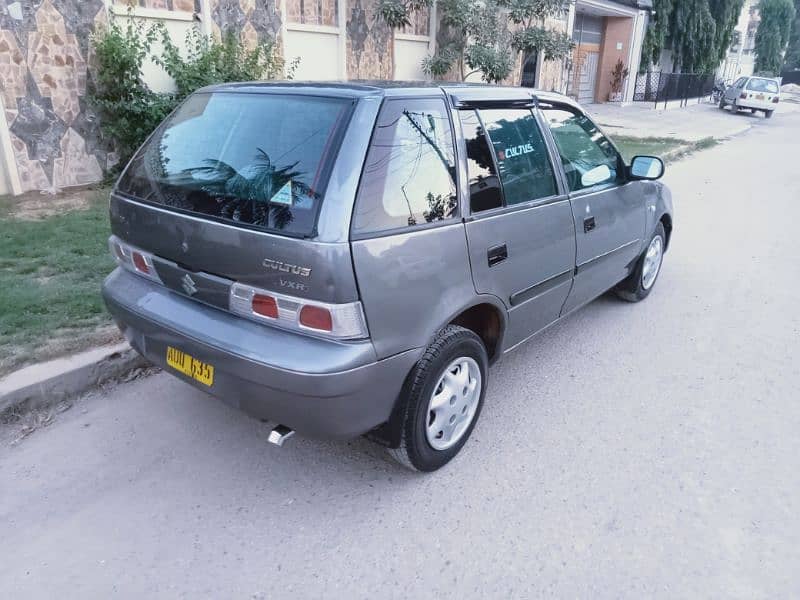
356 234
560 194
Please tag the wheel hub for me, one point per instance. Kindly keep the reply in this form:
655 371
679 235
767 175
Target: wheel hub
453 403
652 262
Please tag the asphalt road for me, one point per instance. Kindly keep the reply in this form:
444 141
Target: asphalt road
647 450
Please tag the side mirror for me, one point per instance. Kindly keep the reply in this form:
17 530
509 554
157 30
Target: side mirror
597 175
646 167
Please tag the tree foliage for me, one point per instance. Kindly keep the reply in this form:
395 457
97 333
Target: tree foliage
698 32
772 34
128 109
485 35
792 59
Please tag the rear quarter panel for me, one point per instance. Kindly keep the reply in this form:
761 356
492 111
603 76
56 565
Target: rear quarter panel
412 284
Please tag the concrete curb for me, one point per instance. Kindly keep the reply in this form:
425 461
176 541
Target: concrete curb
46 384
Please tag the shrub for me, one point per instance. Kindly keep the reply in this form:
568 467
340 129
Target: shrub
129 110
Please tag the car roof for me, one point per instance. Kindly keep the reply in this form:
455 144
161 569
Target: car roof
390 88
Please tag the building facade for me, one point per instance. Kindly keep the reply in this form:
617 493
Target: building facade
50 138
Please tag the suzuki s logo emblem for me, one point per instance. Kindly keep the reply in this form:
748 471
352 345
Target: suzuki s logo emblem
283 267
188 285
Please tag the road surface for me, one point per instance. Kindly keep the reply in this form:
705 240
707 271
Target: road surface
648 450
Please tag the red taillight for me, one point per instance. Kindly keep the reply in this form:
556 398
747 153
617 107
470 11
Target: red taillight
140 263
265 306
316 317
743 96
775 100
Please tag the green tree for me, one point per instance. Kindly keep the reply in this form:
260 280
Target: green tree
699 33
486 35
692 34
655 39
726 15
792 59
772 34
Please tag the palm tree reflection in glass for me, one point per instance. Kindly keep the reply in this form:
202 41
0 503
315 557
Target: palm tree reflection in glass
248 195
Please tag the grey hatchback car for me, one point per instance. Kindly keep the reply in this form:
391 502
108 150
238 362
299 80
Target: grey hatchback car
347 259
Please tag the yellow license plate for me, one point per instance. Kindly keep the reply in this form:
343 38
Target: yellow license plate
190 366
760 97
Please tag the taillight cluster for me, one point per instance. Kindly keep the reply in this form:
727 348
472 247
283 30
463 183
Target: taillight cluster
133 259
340 321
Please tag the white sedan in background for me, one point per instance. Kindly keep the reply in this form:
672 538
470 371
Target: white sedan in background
756 93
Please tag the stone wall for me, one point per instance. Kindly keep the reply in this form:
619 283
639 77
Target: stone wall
43 70
370 51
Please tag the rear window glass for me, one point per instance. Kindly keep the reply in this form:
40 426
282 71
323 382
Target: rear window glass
763 85
259 160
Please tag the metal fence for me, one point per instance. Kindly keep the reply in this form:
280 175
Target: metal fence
656 86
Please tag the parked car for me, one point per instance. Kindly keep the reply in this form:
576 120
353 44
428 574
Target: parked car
348 259
756 93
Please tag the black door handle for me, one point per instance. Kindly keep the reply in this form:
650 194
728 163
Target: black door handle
588 224
497 254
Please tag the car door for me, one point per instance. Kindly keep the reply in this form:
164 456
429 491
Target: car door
733 91
520 230
608 211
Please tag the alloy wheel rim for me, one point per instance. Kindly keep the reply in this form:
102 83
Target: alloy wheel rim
652 262
453 403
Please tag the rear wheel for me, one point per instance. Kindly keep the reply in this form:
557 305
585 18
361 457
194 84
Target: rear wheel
722 103
442 400
768 113
638 285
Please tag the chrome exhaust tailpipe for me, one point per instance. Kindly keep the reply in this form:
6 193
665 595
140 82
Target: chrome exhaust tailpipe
279 434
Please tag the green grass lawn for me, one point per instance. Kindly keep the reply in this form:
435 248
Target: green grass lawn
51 269
655 146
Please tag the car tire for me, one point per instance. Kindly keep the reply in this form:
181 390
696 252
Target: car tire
768 113
722 103
734 108
426 384
638 285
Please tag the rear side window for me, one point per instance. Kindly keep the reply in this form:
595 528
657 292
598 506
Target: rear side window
257 160
763 85
409 173
522 159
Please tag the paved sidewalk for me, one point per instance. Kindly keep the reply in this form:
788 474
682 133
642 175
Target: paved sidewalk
693 122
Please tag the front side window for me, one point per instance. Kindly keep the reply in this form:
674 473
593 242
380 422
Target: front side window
588 157
256 160
409 173
522 159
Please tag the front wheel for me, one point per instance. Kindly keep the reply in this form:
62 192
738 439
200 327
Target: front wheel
442 399
722 103
638 285
768 113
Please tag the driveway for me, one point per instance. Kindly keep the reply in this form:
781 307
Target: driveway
646 450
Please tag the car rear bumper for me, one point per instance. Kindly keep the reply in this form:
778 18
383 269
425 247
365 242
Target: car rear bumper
756 104
320 388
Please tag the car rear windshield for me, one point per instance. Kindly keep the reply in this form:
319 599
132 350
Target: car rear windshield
763 85
252 159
